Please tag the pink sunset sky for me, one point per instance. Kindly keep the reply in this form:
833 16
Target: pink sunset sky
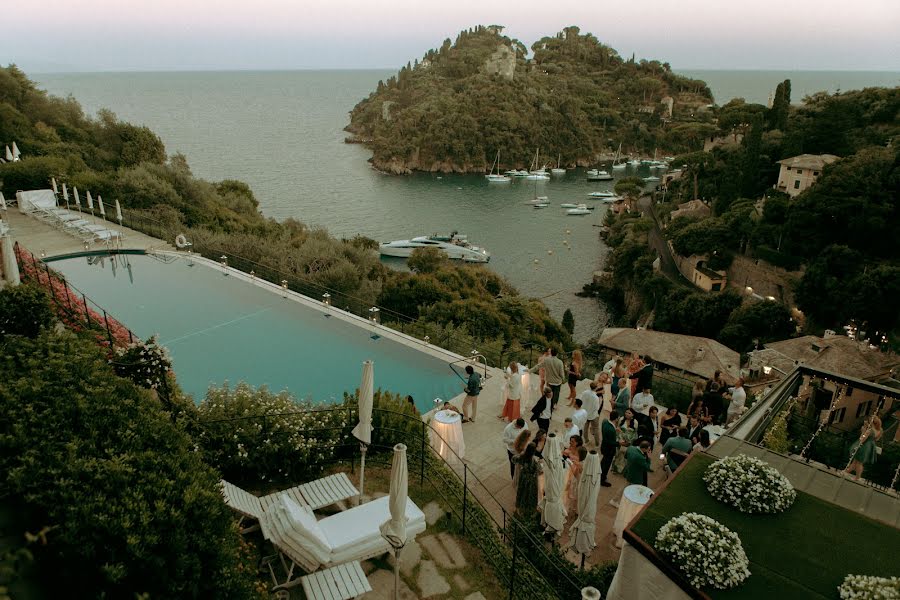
62 35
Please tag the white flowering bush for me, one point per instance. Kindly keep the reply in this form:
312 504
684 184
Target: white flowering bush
867 587
255 436
708 553
749 485
145 363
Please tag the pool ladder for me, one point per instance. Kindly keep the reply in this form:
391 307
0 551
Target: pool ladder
473 359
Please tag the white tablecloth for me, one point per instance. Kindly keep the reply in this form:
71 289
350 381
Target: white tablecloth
447 435
634 497
715 432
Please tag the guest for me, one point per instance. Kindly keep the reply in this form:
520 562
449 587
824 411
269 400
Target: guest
695 426
864 450
699 410
540 441
670 424
627 434
642 401
575 442
472 388
540 366
510 433
522 440
714 403
738 399
412 404
543 409
634 365
642 379
704 442
623 398
610 364
579 417
609 446
554 373
526 482
654 420
637 463
575 368
451 408
698 390
717 379
592 407
680 442
569 430
513 393
575 470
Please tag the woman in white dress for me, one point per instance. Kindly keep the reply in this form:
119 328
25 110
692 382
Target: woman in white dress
513 393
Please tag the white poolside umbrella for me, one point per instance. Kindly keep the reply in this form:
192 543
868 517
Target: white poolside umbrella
90 201
100 203
9 156
553 510
2 202
363 429
66 195
394 529
15 152
53 185
581 533
118 212
77 199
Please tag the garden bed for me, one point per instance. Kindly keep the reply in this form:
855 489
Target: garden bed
802 553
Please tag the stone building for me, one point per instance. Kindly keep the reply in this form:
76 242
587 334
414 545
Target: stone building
799 172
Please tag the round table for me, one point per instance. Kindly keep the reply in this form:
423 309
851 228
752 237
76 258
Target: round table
447 435
714 431
634 497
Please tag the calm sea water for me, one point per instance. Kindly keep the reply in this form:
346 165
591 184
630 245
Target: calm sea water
282 132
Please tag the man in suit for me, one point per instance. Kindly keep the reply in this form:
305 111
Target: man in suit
681 442
637 463
554 373
608 446
694 429
543 409
644 375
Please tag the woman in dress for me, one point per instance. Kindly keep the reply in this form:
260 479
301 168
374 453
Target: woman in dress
654 419
634 366
544 356
575 469
703 443
575 368
699 410
864 450
522 440
526 481
513 393
671 421
618 373
627 434
698 390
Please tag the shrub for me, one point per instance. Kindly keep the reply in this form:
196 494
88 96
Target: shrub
866 587
146 364
24 310
706 551
749 485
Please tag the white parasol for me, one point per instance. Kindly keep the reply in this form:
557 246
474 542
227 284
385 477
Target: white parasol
100 203
77 199
582 531
118 212
8 154
53 185
66 195
363 429
15 152
553 510
394 529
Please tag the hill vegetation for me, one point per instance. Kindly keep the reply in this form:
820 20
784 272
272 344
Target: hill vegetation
575 98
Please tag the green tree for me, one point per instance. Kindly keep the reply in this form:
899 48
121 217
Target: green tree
762 320
781 106
694 165
750 182
426 260
568 321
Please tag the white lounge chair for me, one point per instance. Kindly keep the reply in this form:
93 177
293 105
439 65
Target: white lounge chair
315 494
347 536
337 583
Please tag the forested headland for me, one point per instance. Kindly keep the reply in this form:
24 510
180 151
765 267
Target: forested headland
574 98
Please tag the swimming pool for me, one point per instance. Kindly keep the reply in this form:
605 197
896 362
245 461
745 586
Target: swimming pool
226 328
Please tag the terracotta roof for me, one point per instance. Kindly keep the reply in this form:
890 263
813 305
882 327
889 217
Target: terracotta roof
809 161
838 354
696 355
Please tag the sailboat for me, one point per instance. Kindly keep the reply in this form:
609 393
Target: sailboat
616 164
558 170
598 175
535 173
497 177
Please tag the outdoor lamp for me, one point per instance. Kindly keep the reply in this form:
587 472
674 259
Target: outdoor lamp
373 314
427 339
326 299
252 274
767 370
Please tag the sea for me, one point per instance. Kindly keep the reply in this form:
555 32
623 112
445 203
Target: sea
282 133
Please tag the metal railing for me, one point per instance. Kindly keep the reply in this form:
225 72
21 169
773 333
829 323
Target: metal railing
526 564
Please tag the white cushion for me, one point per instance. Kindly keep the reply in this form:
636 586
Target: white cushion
359 525
301 520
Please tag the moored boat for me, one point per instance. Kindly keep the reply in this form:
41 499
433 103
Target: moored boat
455 246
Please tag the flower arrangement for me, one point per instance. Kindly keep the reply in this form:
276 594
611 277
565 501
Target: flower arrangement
749 485
145 363
707 552
867 587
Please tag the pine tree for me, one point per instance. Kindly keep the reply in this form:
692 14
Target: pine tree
568 321
750 167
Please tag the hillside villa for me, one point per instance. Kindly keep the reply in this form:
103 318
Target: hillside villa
799 172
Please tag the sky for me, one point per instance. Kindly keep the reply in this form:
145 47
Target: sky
164 35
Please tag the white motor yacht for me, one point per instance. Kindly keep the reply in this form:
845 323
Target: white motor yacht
602 195
651 178
455 246
598 175
581 209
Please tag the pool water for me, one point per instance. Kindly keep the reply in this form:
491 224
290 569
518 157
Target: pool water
220 328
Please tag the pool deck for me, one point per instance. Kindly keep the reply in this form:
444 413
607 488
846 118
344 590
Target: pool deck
39 237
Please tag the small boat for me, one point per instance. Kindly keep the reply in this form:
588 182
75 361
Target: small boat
634 162
521 173
602 195
581 209
558 170
597 175
568 205
616 164
619 166
539 200
497 177
455 246
651 178
537 177
541 205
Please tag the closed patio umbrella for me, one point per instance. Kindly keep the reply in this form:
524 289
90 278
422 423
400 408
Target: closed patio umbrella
553 510
582 531
77 199
8 154
90 202
2 202
53 185
15 152
118 212
66 195
100 204
363 429
394 529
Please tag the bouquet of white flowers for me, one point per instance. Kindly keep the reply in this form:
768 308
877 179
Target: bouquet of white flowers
706 551
749 484
867 587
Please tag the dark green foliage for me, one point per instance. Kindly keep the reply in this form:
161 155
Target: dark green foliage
132 507
781 106
24 310
568 321
449 113
426 260
763 320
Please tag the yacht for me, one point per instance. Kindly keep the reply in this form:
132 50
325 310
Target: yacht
455 246
651 178
597 175
497 177
602 195
635 162
558 170
581 209
616 165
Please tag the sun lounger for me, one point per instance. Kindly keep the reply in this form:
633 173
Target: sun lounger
337 583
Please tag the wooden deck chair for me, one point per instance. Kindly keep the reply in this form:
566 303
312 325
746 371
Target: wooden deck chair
342 582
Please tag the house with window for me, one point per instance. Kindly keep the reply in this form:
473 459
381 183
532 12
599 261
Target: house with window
800 172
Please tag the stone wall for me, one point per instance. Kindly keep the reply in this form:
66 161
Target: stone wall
765 279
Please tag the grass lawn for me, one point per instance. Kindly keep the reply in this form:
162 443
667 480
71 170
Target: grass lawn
804 552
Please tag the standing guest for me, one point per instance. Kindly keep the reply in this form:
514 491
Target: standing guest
699 410
717 379
472 388
539 441
619 371
540 367
738 399
513 384
704 441
637 463
864 451
579 417
522 440
671 421
574 475
575 367
634 365
592 407
554 373
714 402
642 379
680 442
543 409
695 426
628 432
698 390
642 401
654 420
569 430
611 364
609 446
575 442
526 481
510 433
623 398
